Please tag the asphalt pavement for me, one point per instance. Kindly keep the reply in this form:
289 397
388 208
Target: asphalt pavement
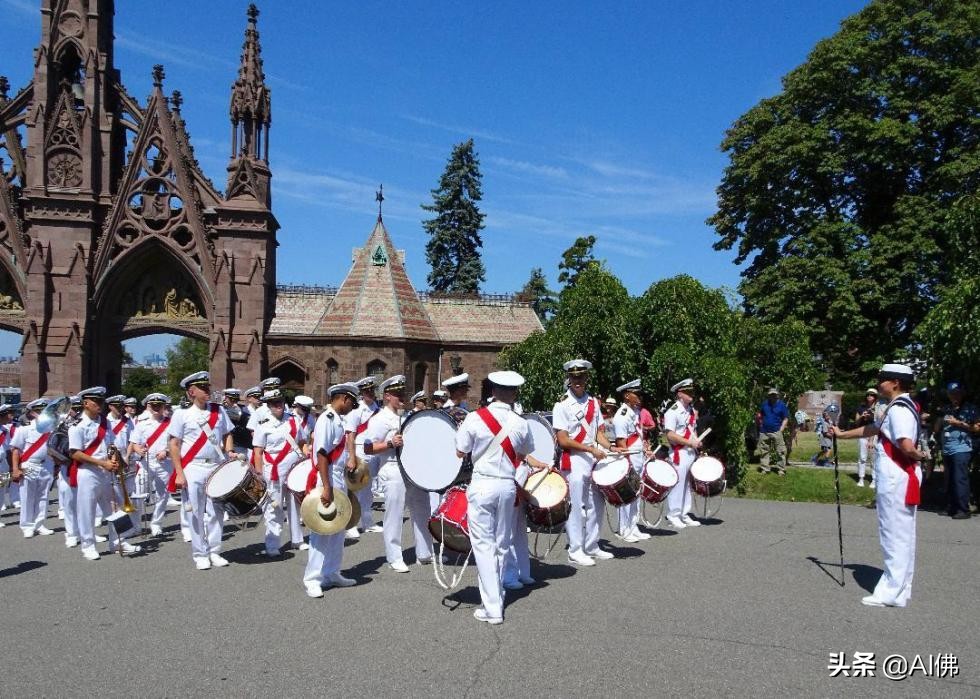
748 605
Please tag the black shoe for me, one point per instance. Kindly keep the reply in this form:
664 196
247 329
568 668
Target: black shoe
961 515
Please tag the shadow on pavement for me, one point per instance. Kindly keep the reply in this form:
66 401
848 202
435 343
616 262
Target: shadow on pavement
365 569
25 567
865 576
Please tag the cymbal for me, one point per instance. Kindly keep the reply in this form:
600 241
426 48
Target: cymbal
359 478
323 520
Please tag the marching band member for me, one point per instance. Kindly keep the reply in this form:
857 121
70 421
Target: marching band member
200 437
276 448
303 410
31 466
122 430
381 440
150 441
330 455
185 509
253 403
261 411
680 423
130 406
517 562
58 451
458 387
439 399
418 403
356 423
628 434
92 472
898 475
6 427
578 414
497 440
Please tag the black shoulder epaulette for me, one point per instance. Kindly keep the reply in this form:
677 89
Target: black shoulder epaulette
330 414
623 411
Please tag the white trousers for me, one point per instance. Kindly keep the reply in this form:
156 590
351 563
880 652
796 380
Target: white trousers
397 495
95 487
157 476
629 515
68 501
34 491
365 496
517 564
679 500
326 552
863 453
896 531
490 511
583 496
9 494
207 517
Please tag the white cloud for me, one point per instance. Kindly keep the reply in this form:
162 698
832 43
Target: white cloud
524 167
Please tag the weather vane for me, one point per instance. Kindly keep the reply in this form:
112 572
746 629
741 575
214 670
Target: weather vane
379 197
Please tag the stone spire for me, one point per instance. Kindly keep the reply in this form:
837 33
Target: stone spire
251 104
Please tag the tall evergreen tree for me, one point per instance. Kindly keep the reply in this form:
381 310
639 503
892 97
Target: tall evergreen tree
542 298
453 250
576 259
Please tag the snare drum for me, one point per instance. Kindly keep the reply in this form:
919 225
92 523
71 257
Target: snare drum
544 438
449 525
547 499
708 476
616 480
658 478
298 480
428 457
237 488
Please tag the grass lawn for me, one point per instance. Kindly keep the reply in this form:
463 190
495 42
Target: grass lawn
804 485
806 447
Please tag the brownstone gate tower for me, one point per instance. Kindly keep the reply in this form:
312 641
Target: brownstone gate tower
109 229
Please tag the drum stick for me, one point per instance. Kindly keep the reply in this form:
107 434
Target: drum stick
704 434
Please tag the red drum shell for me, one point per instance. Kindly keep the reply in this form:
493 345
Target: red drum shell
657 481
449 525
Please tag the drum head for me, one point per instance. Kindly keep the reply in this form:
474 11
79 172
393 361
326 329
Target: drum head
544 438
428 458
546 489
225 478
661 473
296 480
707 469
610 470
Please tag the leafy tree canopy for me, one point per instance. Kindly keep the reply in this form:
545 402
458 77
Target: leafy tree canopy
186 357
537 293
576 259
141 381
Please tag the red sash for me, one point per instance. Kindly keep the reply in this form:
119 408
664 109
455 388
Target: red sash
198 444
42 440
156 433
691 422
287 447
566 457
491 422
364 425
631 440
3 437
334 454
120 425
88 451
912 495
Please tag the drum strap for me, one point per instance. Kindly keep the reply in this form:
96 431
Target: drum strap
287 448
691 422
364 425
207 429
566 457
334 454
88 451
120 425
42 440
501 437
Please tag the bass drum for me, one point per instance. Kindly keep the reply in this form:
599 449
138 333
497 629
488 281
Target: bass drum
427 458
543 434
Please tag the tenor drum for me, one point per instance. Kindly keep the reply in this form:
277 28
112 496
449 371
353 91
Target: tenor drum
543 435
449 525
428 457
298 480
616 480
658 479
547 499
237 488
708 476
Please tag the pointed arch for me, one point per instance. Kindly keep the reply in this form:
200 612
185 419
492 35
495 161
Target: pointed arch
291 372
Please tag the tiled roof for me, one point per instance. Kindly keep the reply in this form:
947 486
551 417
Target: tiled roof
481 320
299 309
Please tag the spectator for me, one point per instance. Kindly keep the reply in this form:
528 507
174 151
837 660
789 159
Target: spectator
866 415
824 429
775 416
958 426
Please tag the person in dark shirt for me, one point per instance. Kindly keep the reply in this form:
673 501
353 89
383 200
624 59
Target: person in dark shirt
775 416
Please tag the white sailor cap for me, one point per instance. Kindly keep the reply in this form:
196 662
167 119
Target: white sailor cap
459 380
156 398
198 378
303 401
254 391
632 386
368 383
273 394
393 384
896 371
6 408
440 395
117 399
577 367
505 379
418 396
131 401
611 401
339 389
687 384
232 392
93 393
37 404
271 382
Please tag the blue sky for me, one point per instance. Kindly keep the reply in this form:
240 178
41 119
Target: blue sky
601 118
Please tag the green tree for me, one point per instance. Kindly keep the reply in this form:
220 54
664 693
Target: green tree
186 357
837 188
141 381
576 259
453 249
541 298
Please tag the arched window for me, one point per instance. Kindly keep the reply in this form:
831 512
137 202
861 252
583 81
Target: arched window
420 371
332 372
376 368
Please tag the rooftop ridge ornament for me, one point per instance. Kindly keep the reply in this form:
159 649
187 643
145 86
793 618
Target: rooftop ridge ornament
158 75
177 100
253 13
379 197
4 87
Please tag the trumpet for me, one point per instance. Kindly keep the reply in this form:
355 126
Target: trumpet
116 457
